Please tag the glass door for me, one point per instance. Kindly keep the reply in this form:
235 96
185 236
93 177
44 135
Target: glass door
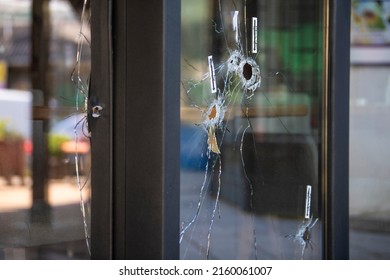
258 96
253 93
44 138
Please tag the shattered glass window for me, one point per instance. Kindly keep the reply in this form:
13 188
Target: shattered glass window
44 138
252 87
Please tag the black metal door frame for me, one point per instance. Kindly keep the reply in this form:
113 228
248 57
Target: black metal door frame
135 162
336 132
135 141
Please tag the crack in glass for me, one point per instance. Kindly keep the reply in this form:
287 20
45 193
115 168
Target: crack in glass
81 82
303 235
223 94
240 69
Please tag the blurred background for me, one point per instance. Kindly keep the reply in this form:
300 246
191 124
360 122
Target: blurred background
40 215
369 185
41 127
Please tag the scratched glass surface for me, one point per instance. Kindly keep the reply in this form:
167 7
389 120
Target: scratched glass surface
81 147
251 99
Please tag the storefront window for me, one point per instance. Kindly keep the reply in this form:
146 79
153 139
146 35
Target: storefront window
44 141
251 129
369 130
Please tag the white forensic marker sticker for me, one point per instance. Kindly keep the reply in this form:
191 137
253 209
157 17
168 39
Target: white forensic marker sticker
213 83
254 35
235 24
308 202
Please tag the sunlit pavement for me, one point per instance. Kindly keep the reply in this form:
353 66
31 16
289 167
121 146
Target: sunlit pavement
17 197
54 232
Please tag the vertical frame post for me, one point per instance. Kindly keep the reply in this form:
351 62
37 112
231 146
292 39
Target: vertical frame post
150 93
135 142
336 226
102 131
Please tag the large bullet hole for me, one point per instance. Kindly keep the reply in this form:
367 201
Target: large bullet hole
247 71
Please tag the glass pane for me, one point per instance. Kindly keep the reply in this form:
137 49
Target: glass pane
251 103
370 130
44 141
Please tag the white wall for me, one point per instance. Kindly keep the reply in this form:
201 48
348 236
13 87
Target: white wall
370 140
15 108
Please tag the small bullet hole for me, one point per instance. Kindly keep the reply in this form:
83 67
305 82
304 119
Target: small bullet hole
96 111
247 71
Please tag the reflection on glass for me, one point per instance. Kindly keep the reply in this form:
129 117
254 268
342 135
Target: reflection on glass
43 137
369 177
252 87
